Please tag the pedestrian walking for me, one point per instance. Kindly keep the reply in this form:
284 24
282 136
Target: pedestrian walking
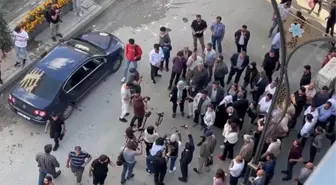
316 144
306 129
77 160
134 78
219 178
319 3
48 180
236 168
56 127
160 167
331 19
186 156
306 77
133 55
239 61
198 26
273 148
157 146
47 164
295 156
242 36
186 53
304 173
77 7
179 64
139 109
52 16
270 88
259 87
21 38
220 70
128 154
178 96
99 169
310 94
164 36
216 94
218 32
210 57
251 74
125 101
155 58
166 48
284 12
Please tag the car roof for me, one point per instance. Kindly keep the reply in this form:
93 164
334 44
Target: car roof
62 61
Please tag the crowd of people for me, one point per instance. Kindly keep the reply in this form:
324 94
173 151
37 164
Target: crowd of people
198 81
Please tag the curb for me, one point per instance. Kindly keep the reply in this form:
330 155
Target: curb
68 35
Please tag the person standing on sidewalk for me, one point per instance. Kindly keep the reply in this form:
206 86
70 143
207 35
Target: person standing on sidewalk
128 154
53 18
251 74
186 156
239 61
186 53
139 109
125 101
316 144
179 64
160 167
218 32
47 164
77 7
198 26
20 44
242 36
133 55
220 70
77 160
57 128
193 61
99 169
331 20
155 58
178 96
210 56
295 156
270 64
305 173
284 12
236 168
319 2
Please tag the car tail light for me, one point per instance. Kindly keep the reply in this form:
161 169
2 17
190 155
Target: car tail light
40 113
11 98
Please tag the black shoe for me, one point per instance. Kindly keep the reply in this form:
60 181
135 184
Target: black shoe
132 175
1 82
58 173
169 88
123 120
16 64
227 83
127 114
55 147
23 62
182 114
284 171
59 35
188 116
54 39
195 170
158 75
174 115
195 125
286 178
182 179
154 82
167 69
122 182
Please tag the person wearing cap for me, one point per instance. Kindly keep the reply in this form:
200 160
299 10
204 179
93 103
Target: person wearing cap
246 150
306 77
251 74
135 79
270 64
305 173
56 127
259 179
48 180
235 169
99 169
125 101
77 160
206 151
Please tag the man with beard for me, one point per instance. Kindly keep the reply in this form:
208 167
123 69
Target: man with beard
48 180
192 63
57 128
200 105
270 64
186 53
241 106
216 94
199 77
210 56
220 70
239 61
99 169
259 87
251 74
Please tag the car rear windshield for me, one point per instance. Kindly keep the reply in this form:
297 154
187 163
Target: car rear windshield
41 84
85 47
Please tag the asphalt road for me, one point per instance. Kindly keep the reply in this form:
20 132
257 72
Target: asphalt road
95 126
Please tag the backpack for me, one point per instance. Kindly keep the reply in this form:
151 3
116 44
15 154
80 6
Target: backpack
120 159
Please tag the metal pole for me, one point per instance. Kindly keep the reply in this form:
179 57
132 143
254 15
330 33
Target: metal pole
255 161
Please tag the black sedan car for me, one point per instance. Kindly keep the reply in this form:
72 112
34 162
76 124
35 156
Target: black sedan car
65 75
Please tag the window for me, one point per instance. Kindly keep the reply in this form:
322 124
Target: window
85 47
82 73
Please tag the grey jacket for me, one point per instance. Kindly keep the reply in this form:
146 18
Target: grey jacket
219 95
205 104
208 147
317 141
221 70
164 39
246 151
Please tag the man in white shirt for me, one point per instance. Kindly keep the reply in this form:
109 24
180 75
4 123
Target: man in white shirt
264 105
125 101
307 129
284 12
313 111
20 44
155 57
236 168
276 43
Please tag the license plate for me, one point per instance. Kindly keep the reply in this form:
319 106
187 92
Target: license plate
24 116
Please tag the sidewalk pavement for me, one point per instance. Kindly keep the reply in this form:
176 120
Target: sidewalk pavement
42 43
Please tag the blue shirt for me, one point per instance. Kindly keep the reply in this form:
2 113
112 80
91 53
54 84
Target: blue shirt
78 161
324 114
276 42
269 167
218 29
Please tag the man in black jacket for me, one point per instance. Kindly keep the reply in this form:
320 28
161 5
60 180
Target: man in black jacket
259 87
306 77
220 70
242 36
52 16
239 61
215 93
241 106
186 156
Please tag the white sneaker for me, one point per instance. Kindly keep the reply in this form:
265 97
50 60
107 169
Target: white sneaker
80 14
172 171
123 79
221 146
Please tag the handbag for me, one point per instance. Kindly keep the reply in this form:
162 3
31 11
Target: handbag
120 159
209 161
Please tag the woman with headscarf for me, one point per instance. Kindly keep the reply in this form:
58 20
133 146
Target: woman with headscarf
178 96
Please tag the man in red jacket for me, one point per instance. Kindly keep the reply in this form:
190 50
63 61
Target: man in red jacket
133 55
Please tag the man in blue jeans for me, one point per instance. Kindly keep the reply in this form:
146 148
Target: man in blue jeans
47 164
129 152
218 31
133 54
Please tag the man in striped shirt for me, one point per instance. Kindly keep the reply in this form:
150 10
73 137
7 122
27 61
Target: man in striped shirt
77 160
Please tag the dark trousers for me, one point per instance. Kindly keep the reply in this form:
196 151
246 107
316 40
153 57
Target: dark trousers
173 76
139 119
256 96
220 80
319 2
166 61
159 176
210 71
290 166
246 83
303 139
153 72
233 180
217 40
331 121
197 116
297 114
312 153
330 28
184 73
148 147
269 74
235 71
181 105
58 136
268 179
241 47
184 170
298 183
228 151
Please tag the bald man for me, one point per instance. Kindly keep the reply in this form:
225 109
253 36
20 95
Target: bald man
259 179
236 168
304 173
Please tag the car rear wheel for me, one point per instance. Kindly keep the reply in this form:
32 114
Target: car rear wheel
68 110
116 65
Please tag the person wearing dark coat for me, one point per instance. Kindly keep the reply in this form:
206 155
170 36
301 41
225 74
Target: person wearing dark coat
186 156
179 63
239 61
306 77
186 53
242 36
241 106
160 167
260 84
250 74
216 93
178 95
220 70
